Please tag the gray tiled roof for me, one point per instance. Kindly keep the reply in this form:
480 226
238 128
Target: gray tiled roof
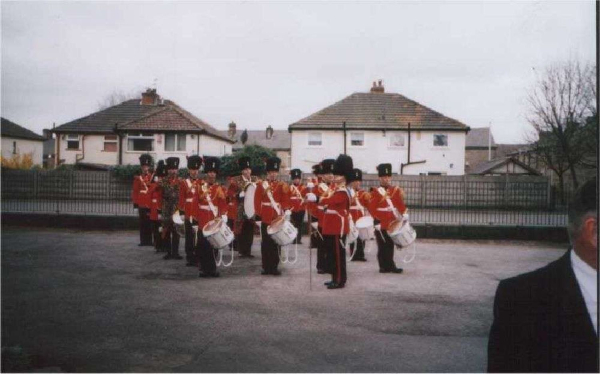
378 110
281 139
131 115
478 138
486 167
509 149
12 130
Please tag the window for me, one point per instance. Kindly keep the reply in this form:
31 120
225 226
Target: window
397 140
140 142
357 139
314 139
14 148
440 140
175 142
110 143
73 141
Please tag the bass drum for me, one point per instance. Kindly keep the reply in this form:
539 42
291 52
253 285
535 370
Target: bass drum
282 231
217 233
366 228
249 200
402 233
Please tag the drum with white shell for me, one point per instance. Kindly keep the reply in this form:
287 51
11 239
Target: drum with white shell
217 233
402 233
282 231
366 228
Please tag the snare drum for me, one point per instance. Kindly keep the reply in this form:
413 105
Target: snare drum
402 233
366 228
282 231
217 233
352 233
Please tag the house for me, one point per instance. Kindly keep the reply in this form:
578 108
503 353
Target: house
280 141
49 143
378 127
18 141
118 135
480 147
503 166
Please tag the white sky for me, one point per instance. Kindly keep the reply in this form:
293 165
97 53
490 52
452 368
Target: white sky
273 63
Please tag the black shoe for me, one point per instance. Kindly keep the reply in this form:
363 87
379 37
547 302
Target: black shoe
214 275
276 272
250 256
396 271
334 285
328 283
383 271
243 256
264 272
140 245
359 259
167 256
177 257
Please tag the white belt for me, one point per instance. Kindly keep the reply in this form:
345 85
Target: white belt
295 198
204 207
189 200
388 209
320 207
154 200
266 204
355 208
143 191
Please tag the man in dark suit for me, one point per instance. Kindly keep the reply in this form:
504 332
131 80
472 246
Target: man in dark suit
547 320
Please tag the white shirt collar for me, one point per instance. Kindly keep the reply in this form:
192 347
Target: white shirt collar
587 279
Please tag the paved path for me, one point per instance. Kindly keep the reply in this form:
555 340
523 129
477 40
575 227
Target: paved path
89 301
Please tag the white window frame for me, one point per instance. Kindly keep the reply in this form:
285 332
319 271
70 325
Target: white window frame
73 138
394 134
114 141
177 136
440 146
320 141
352 133
142 136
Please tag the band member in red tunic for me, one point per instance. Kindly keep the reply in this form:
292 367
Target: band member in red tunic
213 204
188 206
156 205
323 252
243 226
386 205
141 199
169 189
358 208
271 199
232 205
335 221
311 206
297 194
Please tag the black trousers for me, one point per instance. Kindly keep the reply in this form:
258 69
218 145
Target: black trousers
206 255
338 257
359 246
172 242
145 226
323 255
385 250
246 237
190 238
298 220
156 234
268 250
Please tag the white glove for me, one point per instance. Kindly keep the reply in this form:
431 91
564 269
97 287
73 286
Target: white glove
242 194
378 227
287 214
405 216
257 223
311 197
224 218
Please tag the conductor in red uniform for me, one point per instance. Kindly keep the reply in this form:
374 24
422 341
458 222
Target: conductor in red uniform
386 205
141 199
271 199
297 193
212 204
335 221
188 206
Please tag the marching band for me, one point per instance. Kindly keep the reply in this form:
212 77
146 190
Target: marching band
340 215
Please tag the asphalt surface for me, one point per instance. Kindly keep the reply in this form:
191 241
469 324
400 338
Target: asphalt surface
96 302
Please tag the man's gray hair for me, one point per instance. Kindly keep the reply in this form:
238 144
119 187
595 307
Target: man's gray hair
581 207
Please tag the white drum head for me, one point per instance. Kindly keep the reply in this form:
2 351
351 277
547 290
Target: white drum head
212 227
275 225
249 200
365 222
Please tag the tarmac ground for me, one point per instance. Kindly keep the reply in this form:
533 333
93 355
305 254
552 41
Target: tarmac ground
96 302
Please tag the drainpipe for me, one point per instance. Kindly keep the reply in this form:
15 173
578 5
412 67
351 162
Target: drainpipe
120 142
409 163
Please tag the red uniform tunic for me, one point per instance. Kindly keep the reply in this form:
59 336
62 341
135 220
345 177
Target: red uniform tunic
319 212
139 193
311 207
380 209
262 204
216 193
188 197
359 204
335 217
232 200
155 201
297 194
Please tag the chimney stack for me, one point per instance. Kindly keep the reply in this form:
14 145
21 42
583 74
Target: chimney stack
232 130
269 132
378 87
47 133
150 97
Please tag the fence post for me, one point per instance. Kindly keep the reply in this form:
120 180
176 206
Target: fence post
422 180
108 184
548 193
506 190
35 184
465 194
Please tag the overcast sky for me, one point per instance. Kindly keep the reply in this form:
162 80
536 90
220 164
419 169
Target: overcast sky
273 63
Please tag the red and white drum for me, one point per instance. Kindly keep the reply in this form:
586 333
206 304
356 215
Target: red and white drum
218 233
402 233
282 231
366 228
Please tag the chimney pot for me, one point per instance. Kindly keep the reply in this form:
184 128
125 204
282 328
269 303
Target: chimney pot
150 97
269 132
232 129
378 88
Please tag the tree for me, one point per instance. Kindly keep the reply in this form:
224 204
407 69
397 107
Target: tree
244 137
560 105
257 154
116 97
